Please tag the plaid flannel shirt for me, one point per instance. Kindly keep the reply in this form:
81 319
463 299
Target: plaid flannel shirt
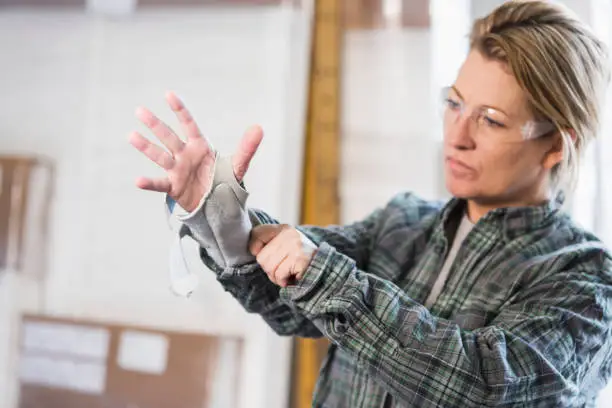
523 320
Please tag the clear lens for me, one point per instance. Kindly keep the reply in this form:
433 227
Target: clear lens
489 123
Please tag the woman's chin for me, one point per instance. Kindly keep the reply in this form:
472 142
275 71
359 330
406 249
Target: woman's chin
460 188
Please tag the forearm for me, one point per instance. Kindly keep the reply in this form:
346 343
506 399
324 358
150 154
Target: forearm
250 286
221 225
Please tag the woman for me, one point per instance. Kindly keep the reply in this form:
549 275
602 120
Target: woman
495 298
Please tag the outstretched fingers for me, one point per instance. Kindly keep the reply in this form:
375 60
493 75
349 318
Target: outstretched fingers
159 185
155 153
246 150
162 131
184 116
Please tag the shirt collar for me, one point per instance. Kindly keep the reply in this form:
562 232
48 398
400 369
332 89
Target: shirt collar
512 221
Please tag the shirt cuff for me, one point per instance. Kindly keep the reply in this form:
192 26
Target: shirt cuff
243 270
323 279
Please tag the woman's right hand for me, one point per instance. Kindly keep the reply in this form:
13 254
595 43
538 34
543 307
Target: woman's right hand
189 164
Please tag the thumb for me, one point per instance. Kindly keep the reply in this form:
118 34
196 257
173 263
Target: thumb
246 150
261 235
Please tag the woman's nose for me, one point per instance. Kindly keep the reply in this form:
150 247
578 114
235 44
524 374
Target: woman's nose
458 133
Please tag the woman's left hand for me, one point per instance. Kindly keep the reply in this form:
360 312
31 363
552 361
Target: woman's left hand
282 251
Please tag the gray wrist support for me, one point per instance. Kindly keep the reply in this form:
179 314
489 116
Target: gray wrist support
221 223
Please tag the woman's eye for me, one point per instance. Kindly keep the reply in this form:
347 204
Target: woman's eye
454 105
492 123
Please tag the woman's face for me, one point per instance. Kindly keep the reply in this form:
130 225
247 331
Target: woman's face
492 144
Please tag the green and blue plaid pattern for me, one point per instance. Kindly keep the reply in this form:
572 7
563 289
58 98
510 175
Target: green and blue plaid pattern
524 319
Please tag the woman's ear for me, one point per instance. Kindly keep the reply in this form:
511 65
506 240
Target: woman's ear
559 143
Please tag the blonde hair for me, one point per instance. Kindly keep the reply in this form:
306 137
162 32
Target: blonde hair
559 63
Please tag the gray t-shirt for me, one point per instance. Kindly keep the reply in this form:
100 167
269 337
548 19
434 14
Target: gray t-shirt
462 230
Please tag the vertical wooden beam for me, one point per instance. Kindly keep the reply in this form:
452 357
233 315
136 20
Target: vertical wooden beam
320 196
320 204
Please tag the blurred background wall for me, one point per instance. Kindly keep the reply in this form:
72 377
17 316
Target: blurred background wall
73 72
72 78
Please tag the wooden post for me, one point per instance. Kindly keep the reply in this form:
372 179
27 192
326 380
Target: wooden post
320 196
321 204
